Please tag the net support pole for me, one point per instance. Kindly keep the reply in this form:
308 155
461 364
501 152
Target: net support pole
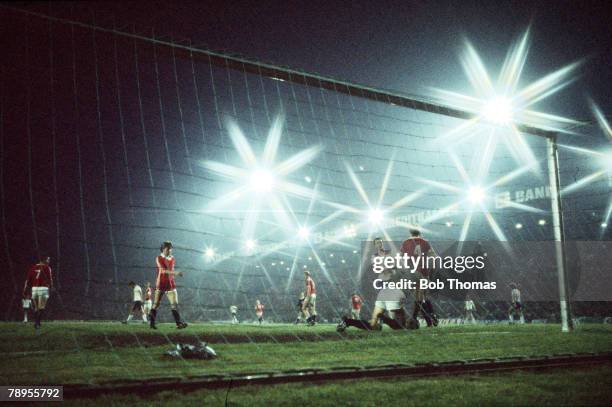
559 235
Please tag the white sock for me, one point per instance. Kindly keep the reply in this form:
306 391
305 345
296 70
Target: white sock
25 317
130 317
144 317
522 319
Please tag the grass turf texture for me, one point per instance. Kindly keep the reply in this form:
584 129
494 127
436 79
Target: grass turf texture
96 352
584 387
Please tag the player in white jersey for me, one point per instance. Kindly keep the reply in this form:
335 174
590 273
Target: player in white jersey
234 312
137 298
26 303
517 306
469 310
148 303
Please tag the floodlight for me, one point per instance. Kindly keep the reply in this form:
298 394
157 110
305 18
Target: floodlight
375 216
604 225
476 194
518 226
307 179
262 180
449 224
303 232
209 252
250 244
542 222
498 110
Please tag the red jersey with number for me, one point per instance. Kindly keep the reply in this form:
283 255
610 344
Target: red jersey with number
39 276
417 247
311 288
259 309
165 282
356 300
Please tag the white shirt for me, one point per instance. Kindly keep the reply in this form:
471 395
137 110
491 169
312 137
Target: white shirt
469 305
516 295
233 309
137 293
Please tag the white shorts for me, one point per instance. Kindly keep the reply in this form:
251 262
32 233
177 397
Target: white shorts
389 305
148 304
26 303
40 292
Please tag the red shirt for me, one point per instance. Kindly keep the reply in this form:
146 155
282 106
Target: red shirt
311 288
356 301
165 282
40 276
259 308
415 247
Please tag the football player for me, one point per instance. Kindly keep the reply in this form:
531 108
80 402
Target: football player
148 303
165 285
40 280
415 246
516 307
26 303
356 303
259 310
300 305
310 302
137 306
234 312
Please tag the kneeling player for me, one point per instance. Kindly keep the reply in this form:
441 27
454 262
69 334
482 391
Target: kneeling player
40 279
166 285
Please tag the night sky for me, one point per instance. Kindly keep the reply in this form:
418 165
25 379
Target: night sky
103 138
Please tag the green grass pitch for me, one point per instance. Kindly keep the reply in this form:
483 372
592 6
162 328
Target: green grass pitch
97 352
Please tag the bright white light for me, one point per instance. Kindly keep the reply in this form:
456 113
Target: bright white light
262 181
343 261
209 252
476 194
282 262
519 226
331 255
604 225
354 251
273 264
287 269
361 168
449 224
542 222
305 266
307 179
498 110
310 258
250 244
303 232
375 216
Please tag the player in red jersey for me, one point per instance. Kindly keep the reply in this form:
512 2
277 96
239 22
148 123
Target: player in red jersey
416 246
40 280
259 310
309 306
148 303
165 285
356 303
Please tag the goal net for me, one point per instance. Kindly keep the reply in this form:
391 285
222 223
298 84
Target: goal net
113 142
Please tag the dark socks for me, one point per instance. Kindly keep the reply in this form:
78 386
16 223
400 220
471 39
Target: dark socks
358 323
391 322
152 316
177 317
